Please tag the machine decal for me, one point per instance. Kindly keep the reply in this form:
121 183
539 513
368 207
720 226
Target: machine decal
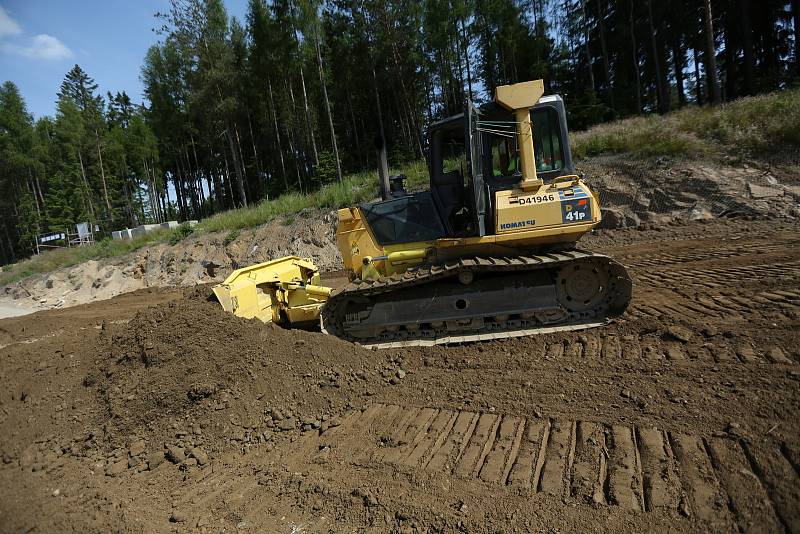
576 210
533 199
517 224
572 194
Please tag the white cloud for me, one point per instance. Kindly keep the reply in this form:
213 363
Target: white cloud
42 46
8 26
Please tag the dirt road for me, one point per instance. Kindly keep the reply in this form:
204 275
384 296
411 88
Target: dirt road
177 417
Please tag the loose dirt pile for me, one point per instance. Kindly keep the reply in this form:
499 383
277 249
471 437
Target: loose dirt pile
156 411
188 369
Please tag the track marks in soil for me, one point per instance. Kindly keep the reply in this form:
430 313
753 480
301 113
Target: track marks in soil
723 482
614 347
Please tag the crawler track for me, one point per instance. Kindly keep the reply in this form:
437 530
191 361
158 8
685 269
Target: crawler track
549 308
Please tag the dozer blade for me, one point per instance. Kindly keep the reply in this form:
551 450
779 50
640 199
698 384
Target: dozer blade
285 290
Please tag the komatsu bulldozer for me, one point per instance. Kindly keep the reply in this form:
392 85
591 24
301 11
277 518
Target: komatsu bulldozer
487 252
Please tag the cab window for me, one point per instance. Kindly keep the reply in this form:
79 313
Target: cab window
547 148
505 156
454 154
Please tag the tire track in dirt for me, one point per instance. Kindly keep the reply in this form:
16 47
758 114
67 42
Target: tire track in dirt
721 482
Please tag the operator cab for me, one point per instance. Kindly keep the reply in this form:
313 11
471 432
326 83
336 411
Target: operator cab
472 156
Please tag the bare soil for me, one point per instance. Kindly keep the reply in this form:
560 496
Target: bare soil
156 412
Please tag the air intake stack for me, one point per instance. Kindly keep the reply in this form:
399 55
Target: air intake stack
519 98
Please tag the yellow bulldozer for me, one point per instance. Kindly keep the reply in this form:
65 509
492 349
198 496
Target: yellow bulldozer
487 252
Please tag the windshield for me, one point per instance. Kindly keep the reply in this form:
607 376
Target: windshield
406 219
547 146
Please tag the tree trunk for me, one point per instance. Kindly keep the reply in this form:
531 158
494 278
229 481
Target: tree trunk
88 189
237 166
661 81
219 190
729 88
164 199
188 184
698 82
381 141
38 188
635 57
353 120
294 158
150 189
747 42
103 175
126 190
228 181
10 243
796 16
711 57
192 180
588 52
277 135
411 117
604 50
32 189
465 46
176 181
197 166
255 152
677 63
290 89
328 107
245 183
141 203
308 118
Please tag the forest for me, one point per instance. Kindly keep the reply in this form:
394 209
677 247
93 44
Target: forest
301 92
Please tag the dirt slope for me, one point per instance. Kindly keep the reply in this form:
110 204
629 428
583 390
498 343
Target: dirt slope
155 411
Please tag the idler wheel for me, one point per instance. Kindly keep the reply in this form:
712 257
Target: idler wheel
582 286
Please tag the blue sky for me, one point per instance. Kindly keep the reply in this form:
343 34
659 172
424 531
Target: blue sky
40 40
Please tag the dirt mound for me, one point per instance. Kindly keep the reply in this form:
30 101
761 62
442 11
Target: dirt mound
190 369
659 190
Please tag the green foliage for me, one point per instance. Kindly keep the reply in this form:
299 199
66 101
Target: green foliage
83 165
325 170
231 237
752 126
183 231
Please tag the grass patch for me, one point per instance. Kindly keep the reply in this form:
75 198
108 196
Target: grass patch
180 233
749 126
231 237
